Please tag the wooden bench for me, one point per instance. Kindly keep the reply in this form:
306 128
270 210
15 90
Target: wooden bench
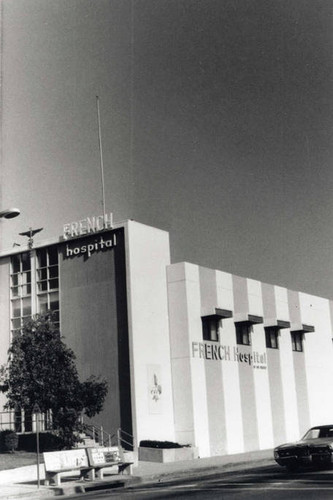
88 463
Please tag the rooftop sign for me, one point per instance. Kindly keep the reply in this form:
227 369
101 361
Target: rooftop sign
88 225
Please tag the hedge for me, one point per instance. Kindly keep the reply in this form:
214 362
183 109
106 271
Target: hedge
47 442
161 444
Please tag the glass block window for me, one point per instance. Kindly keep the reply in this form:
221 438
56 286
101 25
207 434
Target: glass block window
20 291
48 281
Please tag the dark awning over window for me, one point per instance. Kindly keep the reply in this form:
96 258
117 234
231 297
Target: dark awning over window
249 319
219 314
278 324
302 328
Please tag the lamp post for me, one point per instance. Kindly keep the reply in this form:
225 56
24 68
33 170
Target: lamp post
36 412
9 213
30 234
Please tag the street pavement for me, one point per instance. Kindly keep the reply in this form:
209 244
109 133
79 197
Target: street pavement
258 483
21 483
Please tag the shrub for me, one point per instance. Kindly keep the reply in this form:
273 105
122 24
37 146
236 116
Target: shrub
2 439
48 441
161 444
11 441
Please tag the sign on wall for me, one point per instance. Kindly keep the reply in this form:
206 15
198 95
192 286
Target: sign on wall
155 391
88 225
218 352
87 249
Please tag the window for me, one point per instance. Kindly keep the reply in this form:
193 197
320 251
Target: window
272 338
48 281
25 285
297 341
20 291
243 333
34 287
210 328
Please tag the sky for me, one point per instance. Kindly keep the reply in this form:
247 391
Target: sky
216 121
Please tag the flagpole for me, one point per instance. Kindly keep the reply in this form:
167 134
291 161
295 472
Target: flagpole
100 152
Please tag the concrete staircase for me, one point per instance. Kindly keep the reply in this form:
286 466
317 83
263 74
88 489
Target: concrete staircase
86 441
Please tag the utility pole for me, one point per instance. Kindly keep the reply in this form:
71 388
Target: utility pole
100 151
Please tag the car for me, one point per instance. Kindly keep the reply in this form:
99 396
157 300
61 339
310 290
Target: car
315 448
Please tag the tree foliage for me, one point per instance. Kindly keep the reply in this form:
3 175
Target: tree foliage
41 370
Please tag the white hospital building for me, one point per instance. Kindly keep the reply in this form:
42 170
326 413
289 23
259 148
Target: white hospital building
193 355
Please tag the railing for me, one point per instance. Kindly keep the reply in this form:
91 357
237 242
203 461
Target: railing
24 423
98 434
125 439
120 438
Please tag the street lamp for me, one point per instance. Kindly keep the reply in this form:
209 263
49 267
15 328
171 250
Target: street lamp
31 233
10 213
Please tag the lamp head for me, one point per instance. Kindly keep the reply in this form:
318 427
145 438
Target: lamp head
10 213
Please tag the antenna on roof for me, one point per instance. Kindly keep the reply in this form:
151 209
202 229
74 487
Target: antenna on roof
100 151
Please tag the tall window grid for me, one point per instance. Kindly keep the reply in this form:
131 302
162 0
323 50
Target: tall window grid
47 273
20 281
34 287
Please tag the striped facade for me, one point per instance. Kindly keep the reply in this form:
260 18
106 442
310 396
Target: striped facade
195 355
231 398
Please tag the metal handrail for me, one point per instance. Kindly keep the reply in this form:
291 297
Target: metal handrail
121 440
97 433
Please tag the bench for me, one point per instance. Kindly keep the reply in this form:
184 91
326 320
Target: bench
88 463
100 458
58 463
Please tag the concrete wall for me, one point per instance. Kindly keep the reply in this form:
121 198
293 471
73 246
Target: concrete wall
147 255
4 316
93 307
224 404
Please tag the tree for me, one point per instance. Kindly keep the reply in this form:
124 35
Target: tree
41 370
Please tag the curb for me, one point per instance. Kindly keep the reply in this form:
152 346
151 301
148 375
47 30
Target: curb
203 471
67 489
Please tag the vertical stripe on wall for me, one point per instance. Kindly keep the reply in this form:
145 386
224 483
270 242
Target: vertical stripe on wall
200 409
214 381
180 355
299 365
246 377
260 373
229 369
274 370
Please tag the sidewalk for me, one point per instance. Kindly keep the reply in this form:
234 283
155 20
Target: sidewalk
150 471
18 484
